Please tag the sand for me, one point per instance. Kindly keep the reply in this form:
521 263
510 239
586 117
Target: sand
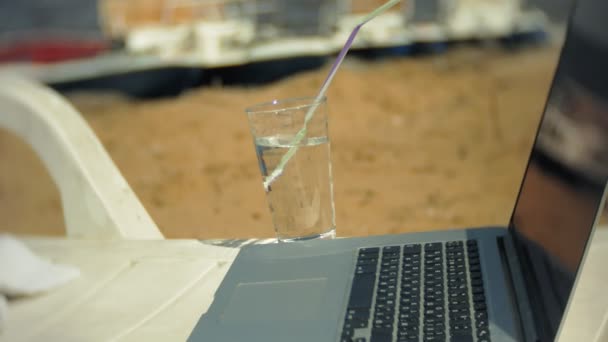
418 144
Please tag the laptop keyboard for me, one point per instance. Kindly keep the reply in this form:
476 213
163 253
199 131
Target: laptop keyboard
417 293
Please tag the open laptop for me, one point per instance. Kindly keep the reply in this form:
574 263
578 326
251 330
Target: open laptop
485 284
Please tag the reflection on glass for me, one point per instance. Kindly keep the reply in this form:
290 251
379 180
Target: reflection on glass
568 169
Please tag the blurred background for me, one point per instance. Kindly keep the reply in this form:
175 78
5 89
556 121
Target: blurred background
432 115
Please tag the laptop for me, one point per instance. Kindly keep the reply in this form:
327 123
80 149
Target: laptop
477 284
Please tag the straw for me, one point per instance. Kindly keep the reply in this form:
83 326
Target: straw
278 170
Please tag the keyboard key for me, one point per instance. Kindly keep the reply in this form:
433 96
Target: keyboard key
460 329
356 324
384 325
366 262
389 262
465 321
460 316
409 257
370 250
389 273
451 251
476 275
413 310
360 299
347 333
411 324
434 325
390 268
456 293
431 282
461 338
481 315
461 305
430 330
483 333
479 298
458 311
409 300
433 246
408 327
476 282
389 287
367 257
357 316
390 257
386 313
362 291
477 289
386 292
412 249
408 316
366 280
432 303
385 297
365 269
456 300
409 291
388 249
479 306
410 282
454 287
381 335
434 338
387 281
481 324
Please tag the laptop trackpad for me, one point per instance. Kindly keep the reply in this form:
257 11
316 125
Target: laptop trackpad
289 300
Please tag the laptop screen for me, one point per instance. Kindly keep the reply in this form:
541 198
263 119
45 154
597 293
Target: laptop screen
568 168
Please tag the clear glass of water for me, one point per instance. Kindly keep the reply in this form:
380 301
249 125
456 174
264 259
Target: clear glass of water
301 198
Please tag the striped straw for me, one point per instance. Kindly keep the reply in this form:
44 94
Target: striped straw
295 143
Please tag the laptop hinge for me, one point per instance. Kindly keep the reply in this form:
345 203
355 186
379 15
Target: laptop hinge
518 290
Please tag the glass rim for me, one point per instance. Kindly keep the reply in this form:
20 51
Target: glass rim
266 107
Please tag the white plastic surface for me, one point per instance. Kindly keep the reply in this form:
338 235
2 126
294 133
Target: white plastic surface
127 291
97 201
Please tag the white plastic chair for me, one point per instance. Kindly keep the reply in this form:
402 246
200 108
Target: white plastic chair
97 201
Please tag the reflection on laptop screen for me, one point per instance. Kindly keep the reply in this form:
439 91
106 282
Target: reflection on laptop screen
568 169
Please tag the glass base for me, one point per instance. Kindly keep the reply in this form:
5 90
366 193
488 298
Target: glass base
330 234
